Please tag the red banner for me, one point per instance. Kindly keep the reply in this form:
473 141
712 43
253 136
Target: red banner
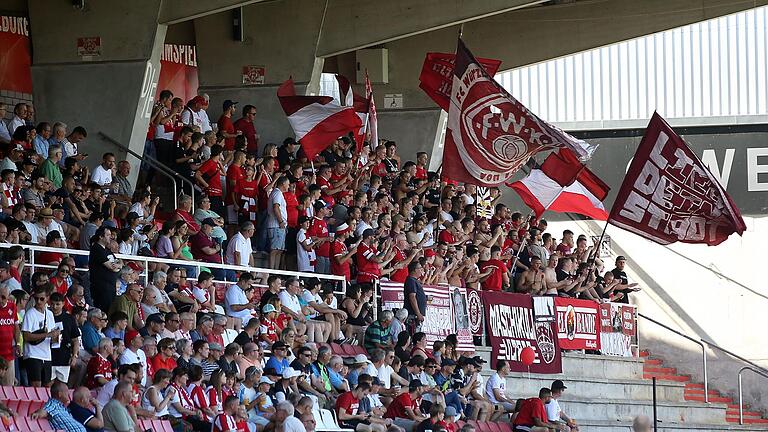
669 195
437 76
511 328
15 57
446 311
578 324
178 71
618 330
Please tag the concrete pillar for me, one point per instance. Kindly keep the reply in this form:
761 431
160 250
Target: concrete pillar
276 37
111 93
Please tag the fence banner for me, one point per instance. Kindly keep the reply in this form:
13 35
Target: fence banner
511 327
578 327
15 56
618 330
476 312
441 318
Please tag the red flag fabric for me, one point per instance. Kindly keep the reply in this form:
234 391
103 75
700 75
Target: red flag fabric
373 121
316 120
490 134
361 105
668 195
436 76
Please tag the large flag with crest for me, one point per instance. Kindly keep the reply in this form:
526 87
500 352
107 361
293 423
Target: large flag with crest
490 133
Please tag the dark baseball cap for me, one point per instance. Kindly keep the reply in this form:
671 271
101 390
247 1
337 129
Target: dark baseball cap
620 258
447 362
415 385
155 318
209 222
558 385
228 103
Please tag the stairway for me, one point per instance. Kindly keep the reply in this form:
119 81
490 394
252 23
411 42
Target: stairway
694 392
605 393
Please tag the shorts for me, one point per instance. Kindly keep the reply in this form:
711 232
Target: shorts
276 238
60 373
507 406
38 370
232 216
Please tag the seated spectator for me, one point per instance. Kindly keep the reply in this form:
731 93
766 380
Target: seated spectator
86 410
217 332
186 325
159 395
278 360
56 411
404 409
554 413
419 341
125 374
496 387
228 361
116 414
128 303
118 322
133 353
197 392
203 212
165 355
377 335
435 420
92 329
182 409
99 369
203 329
349 414
50 167
252 357
184 351
236 300
225 421
357 305
533 415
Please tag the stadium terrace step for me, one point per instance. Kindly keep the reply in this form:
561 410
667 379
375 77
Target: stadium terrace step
614 426
666 377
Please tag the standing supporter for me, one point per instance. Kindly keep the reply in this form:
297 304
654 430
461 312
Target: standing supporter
370 260
40 331
206 249
305 246
235 176
533 416
208 177
248 193
415 298
245 126
10 333
225 125
499 276
341 257
277 222
65 353
318 230
103 269
265 181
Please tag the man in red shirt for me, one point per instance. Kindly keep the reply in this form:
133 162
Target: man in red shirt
208 177
499 277
245 126
319 231
404 409
401 260
9 328
235 176
225 422
566 246
421 166
348 410
99 369
533 416
369 260
341 257
226 127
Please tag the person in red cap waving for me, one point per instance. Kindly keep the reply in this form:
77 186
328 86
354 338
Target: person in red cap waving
341 257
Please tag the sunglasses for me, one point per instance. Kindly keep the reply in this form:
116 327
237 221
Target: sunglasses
40 298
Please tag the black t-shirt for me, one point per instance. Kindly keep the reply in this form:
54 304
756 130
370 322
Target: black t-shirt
561 275
243 339
265 298
620 274
61 356
284 157
426 425
103 280
413 286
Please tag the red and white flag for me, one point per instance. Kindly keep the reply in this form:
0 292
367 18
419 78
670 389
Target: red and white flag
373 121
362 105
490 134
668 195
563 185
316 120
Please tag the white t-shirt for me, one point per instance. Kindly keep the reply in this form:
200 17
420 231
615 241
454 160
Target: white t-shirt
103 177
106 392
303 257
206 121
293 424
290 301
35 320
385 375
130 357
553 410
495 382
276 197
241 244
196 119
308 297
236 296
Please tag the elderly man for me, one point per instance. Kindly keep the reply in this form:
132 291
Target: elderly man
157 287
203 329
50 167
185 326
128 303
92 329
184 213
217 332
55 410
289 300
117 418
251 357
85 409
125 189
19 117
284 417
99 369
239 250
377 334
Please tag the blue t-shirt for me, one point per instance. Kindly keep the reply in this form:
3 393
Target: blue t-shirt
91 337
279 365
83 415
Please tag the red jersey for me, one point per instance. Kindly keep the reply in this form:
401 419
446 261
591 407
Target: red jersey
532 408
269 329
249 130
225 125
234 175
59 285
263 198
397 408
186 217
211 174
421 173
214 401
339 249
8 323
197 394
495 280
224 423
292 208
367 269
158 363
446 236
98 367
184 398
324 184
248 195
347 402
319 229
380 170
399 275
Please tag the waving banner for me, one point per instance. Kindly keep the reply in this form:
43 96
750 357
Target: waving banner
436 76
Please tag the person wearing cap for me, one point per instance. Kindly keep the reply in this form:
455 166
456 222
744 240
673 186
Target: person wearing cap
268 328
318 230
404 409
369 259
341 257
278 360
155 324
133 352
287 386
532 416
554 413
225 125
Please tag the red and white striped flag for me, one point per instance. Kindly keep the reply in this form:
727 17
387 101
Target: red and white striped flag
563 185
316 120
373 122
363 106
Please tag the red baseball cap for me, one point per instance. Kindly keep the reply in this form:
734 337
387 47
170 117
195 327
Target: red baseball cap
130 335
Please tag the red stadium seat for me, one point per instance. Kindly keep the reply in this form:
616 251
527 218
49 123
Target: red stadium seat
44 393
504 426
349 350
31 393
337 349
493 426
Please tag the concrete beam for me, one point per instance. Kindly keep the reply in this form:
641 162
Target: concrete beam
353 24
176 11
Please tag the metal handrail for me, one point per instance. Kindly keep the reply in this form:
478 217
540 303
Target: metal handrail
164 169
697 342
736 356
759 371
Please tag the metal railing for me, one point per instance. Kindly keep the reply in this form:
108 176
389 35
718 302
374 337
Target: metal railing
159 166
698 342
760 371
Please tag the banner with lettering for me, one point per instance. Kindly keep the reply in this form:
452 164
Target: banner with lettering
511 328
578 326
618 330
446 311
15 56
178 71
436 78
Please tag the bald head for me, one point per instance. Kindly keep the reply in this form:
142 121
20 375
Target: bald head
59 390
81 396
641 424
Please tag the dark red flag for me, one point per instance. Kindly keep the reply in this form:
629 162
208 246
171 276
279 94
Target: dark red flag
668 195
490 134
436 76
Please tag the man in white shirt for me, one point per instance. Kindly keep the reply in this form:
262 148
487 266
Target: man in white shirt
124 374
190 115
236 299
305 251
289 300
40 332
239 249
133 352
102 174
19 117
5 136
554 413
205 121
277 222
496 388
284 416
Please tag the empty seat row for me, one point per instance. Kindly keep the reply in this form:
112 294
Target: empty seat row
486 426
326 421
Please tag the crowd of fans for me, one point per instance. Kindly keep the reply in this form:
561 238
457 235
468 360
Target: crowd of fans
152 342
